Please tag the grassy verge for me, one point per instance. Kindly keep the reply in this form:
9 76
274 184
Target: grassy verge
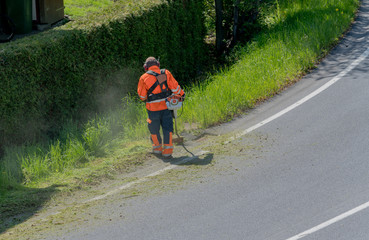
297 34
76 148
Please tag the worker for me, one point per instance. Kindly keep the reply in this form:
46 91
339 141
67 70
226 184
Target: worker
154 87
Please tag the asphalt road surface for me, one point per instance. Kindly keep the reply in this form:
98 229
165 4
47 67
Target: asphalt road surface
295 170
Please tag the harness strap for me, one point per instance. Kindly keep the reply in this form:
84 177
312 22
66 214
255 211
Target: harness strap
152 87
153 73
159 82
158 96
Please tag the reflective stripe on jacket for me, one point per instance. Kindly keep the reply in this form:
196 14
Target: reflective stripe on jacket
148 80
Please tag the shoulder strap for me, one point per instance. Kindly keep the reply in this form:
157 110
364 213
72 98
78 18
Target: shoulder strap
153 73
155 84
152 87
162 71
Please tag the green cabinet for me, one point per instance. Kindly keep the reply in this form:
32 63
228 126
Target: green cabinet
20 11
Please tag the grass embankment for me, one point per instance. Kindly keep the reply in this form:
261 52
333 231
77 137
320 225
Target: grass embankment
297 34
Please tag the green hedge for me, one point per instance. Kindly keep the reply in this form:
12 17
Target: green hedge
57 75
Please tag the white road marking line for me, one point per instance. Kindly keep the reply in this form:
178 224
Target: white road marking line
313 94
305 99
354 64
143 179
140 180
331 221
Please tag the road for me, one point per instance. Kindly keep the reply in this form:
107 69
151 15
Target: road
302 172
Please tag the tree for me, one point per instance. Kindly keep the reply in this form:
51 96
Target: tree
234 19
219 26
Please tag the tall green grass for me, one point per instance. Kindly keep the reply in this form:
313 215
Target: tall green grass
297 33
30 164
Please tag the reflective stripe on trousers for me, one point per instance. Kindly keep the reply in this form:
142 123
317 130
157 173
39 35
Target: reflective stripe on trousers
167 150
156 146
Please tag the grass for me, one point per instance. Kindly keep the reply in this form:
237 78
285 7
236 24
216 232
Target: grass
27 199
30 164
80 8
296 35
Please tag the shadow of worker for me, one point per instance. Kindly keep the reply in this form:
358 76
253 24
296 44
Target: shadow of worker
196 160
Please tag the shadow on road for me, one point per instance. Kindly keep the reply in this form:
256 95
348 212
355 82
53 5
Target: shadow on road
200 161
203 159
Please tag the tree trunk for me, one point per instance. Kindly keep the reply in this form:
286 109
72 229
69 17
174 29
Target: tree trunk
235 22
219 26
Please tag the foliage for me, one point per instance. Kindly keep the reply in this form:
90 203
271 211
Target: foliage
95 136
295 37
245 11
47 79
28 164
293 40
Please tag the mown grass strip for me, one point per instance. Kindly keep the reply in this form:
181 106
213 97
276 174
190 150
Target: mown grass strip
80 8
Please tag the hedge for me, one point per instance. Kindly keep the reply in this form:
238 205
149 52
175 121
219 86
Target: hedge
57 75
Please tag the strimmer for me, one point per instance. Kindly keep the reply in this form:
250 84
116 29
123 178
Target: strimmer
174 103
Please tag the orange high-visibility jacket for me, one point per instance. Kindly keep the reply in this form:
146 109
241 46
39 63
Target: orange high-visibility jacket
147 81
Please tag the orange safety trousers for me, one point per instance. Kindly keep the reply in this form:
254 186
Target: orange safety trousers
161 119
